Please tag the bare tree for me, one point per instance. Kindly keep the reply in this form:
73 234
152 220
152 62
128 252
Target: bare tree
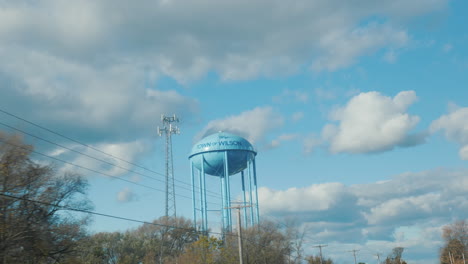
396 257
295 233
162 241
455 249
31 196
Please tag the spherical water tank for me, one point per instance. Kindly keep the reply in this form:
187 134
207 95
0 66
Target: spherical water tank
213 148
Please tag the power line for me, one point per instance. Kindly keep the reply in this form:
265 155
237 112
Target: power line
88 169
89 156
97 159
86 145
68 208
213 194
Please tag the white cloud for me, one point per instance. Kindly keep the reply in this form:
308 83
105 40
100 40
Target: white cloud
325 196
281 139
310 142
447 48
126 195
455 128
372 122
390 56
254 124
116 164
342 48
325 94
179 39
296 116
108 102
407 210
464 152
289 95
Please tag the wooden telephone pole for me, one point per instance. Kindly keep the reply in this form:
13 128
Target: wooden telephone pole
239 229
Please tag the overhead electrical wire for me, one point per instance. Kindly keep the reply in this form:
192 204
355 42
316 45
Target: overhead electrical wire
68 208
213 194
91 157
92 170
106 162
89 146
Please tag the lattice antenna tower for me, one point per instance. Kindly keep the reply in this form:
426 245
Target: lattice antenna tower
168 129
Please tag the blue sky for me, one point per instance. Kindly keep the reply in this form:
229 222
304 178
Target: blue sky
358 109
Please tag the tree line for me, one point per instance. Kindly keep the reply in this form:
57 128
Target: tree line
36 226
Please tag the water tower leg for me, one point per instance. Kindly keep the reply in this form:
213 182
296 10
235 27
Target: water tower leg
201 199
192 177
223 211
205 207
249 167
228 191
244 200
257 213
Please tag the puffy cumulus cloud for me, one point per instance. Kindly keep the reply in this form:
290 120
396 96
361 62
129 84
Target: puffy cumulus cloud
324 197
126 195
254 124
186 39
454 126
371 122
407 210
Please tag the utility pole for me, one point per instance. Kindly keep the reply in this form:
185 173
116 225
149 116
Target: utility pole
378 258
168 129
354 254
239 229
320 247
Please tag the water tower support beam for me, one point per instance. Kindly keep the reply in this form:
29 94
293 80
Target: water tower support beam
257 213
223 211
228 192
244 200
249 170
194 202
201 198
205 209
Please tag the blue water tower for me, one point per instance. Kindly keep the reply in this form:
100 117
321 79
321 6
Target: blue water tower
223 155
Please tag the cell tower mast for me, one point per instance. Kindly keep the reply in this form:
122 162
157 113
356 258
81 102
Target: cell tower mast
168 129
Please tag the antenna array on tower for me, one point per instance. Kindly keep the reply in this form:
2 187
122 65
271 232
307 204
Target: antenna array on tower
168 129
